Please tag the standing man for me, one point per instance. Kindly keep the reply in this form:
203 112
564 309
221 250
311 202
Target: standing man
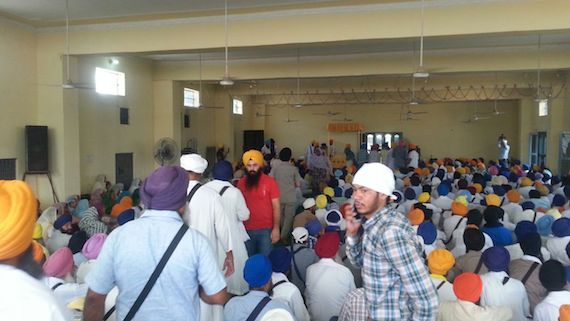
400 155
504 149
22 295
288 179
396 281
413 156
261 195
205 213
132 252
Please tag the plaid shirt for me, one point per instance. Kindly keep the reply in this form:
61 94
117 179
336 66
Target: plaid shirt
91 224
354 307
396 281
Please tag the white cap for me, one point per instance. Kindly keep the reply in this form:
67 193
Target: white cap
300 234
308 203
193 163
377 177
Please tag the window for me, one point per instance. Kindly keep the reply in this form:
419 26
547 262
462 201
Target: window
109 82
238 107
124 116
380 138
8 168
543 107
191 98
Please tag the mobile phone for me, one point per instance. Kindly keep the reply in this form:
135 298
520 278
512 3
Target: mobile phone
358 216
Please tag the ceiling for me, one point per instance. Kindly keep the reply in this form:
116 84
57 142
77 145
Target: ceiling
54 10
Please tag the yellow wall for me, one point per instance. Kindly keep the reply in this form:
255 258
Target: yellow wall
101 134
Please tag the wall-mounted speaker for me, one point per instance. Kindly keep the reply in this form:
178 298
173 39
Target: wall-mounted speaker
37 153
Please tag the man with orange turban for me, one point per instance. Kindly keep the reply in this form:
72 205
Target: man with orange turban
22 296
261 194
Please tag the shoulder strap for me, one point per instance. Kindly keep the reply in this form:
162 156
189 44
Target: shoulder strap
278 283
479 265
534 218
192 192
109 313
505 280
299 249
224 189
156 273
56 286
258 308
440 285
529 272
455 228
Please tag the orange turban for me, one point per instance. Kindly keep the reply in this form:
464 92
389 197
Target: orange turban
18 211
478 188
253 155
565 312
37 252
458 208
468 286
125 203
493 199
440 261
416 216
513 196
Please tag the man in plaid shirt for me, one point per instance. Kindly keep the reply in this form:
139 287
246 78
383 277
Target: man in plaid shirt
396 281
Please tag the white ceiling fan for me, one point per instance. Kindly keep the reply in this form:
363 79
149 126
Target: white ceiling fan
476 117
200 105
328 113
421 72
289 120
227 80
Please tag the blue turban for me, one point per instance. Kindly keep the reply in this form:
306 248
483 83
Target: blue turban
528 205
544 225
567 190
410 194
81 207
555 180
126 216
428 232
513 178
499 190
523 228
558 200
398 195
526 167
338 173
223 171
61 221
496 259
76 242
443 189
314 227
531 243
165 188
338 191
257 270
348 193
280 259
561 227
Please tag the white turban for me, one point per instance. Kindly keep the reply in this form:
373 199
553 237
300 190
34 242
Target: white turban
193 163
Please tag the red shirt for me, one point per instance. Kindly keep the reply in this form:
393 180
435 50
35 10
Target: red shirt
258 200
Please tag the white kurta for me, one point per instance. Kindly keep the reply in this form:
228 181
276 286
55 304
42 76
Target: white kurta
25 298
66 292
466 311
205 213
236 212
512 294
290 294
557 248
549 308
57 240
327 285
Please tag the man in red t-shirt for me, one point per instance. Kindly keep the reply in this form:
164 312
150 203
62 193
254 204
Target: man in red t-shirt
261 194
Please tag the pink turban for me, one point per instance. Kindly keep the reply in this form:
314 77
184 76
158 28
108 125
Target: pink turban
93 246
60 263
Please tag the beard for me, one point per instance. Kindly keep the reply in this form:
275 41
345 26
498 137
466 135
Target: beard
252 178
27 264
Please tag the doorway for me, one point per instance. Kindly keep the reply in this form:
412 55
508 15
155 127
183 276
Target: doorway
124 169
537 149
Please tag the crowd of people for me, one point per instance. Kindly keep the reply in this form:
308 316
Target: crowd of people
328 236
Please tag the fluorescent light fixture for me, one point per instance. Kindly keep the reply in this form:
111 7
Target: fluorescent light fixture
421 74
226 82
113 61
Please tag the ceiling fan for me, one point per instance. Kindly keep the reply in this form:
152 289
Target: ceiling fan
289 120
345 118
258 114
414 101
409 114
200 105
69 84
227 80
476 117
328 113
496 111
421 72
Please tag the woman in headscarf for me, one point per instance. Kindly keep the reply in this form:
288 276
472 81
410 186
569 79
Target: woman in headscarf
100 183
321 170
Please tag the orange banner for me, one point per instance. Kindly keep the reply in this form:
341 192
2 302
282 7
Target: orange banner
345 127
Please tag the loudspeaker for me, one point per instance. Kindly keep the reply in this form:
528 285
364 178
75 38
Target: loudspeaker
37 149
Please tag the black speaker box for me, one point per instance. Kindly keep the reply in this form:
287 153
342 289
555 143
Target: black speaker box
37 149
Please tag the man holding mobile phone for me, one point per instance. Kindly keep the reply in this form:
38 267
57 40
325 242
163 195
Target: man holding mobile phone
396 281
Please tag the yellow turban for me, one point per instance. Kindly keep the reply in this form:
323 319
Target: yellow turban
461 199
440 261
525 181
493 199
253 155
321 201
328 191
478 188
424 197
38 231
513 196
565 312
37 252
18 211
